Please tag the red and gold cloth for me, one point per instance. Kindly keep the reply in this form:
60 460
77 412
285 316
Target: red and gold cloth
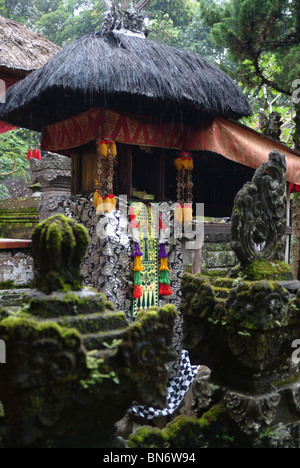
4 127
230 139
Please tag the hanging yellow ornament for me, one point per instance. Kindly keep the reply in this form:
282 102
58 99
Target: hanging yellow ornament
107 152
183 211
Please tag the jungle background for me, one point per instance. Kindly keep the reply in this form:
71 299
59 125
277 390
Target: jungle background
257 43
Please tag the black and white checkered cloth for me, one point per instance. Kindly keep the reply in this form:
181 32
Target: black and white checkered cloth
177 388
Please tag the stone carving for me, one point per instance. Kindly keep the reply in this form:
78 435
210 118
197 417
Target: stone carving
52 174
270 126
243 327
130 20
258 224
58 247
250 413
74 363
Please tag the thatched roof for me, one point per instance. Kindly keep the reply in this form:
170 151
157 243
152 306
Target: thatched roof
22 50
126 73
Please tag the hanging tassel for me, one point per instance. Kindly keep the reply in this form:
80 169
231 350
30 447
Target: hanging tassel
107 205
165 290
100 205
188 214
162 250
96 196
137 278
138 264
137 292
137 250
137 255
179 163
164 264
178 214
103 149
190 165
113 148
164 277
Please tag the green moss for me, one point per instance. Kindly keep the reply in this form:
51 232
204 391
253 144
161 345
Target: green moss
147 437
264 269
26 325
182 432
259 305
58 247
212 415
9 284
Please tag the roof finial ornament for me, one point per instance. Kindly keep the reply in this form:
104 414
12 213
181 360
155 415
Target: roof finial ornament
122 16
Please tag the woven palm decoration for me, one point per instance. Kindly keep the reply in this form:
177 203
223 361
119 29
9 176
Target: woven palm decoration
164 280
104 200
136 255
184 211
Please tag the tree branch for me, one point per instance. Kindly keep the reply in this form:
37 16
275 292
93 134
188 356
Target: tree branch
2 174
267 81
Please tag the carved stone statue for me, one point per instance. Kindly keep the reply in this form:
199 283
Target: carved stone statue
120 17
270 126
258 222
247 331
74 364
53 176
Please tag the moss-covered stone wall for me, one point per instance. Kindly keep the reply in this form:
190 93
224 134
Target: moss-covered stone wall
18 218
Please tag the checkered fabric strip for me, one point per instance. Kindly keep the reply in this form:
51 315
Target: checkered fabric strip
177 388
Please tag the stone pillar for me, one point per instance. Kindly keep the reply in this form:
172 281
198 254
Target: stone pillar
53 173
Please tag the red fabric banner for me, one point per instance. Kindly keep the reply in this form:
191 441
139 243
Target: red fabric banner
230 139
4 127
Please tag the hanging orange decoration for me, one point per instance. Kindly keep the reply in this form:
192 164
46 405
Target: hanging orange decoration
107 152
183 210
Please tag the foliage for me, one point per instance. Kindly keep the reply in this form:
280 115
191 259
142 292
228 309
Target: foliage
180 12
262 39
70 20
14 146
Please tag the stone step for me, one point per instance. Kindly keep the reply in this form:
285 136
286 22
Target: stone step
94 323
224 282
12 297
96 340
220 292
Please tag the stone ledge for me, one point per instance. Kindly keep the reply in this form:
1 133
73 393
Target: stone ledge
14 243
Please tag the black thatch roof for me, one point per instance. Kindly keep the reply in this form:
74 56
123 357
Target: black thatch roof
125 73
